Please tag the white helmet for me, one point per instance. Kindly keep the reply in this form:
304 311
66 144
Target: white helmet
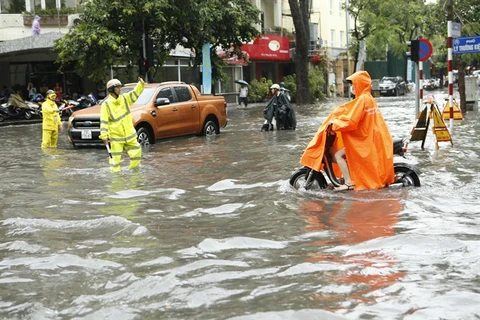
275 86
112 84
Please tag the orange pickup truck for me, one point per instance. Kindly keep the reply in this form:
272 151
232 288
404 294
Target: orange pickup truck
163 110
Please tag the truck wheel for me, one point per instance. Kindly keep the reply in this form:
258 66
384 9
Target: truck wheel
210 128
143 136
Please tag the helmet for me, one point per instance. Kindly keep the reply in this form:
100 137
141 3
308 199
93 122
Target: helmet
50 93
112 84
275 86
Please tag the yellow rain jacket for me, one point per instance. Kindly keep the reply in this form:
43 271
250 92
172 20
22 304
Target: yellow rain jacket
51 119
367 140
116 121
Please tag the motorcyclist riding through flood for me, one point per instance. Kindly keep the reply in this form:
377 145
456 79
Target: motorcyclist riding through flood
359 147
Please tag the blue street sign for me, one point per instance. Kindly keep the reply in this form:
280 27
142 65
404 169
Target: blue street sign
466 45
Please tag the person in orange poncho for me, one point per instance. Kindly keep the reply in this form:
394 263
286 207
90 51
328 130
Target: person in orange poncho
362 135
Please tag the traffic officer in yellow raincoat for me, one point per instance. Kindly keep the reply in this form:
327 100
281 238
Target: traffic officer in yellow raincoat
116 124
51 122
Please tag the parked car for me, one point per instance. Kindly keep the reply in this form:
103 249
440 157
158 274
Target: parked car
392 86
163 110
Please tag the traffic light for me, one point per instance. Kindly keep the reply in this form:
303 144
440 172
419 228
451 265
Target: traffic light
142 67
150 52
413 50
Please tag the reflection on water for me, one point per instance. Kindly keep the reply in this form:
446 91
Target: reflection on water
208 228
357 220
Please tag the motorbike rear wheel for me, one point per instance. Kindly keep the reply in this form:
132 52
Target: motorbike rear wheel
299 179
406 176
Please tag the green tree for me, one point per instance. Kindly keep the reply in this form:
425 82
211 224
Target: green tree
301 17
111 32
316 81
367 23
387 25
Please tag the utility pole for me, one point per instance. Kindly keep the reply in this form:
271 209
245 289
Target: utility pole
450 58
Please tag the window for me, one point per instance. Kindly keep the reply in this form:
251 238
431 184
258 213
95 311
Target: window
340 10
166 93
332 38
144 97
183 94
330 6
342 34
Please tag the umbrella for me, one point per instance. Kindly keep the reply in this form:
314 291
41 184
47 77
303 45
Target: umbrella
241 82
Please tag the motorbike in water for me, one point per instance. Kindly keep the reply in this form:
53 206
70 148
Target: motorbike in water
406 175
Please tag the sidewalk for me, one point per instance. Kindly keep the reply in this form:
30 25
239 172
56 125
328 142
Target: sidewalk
16 122
233 105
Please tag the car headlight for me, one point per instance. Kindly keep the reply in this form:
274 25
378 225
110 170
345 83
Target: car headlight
70 120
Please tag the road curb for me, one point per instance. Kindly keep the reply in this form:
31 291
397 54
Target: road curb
19 122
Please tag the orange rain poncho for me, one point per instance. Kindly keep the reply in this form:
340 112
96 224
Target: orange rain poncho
367 140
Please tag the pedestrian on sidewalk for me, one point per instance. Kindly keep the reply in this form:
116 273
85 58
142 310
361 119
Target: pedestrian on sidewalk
243 95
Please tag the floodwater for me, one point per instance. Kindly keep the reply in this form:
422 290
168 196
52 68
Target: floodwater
209 228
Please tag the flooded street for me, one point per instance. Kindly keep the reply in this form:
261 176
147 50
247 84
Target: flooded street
209 228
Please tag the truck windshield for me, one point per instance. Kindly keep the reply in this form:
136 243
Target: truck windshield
144 97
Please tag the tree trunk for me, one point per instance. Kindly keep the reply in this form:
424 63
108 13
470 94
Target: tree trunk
300 17
461 86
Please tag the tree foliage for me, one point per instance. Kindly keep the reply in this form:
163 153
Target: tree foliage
111 32
389 24
366 22
386 25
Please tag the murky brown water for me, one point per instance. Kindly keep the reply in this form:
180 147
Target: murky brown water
208 228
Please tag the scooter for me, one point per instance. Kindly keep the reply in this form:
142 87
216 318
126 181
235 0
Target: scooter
70 106
35 104
12 112
406 175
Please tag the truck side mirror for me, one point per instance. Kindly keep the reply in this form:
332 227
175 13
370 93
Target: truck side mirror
162 102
